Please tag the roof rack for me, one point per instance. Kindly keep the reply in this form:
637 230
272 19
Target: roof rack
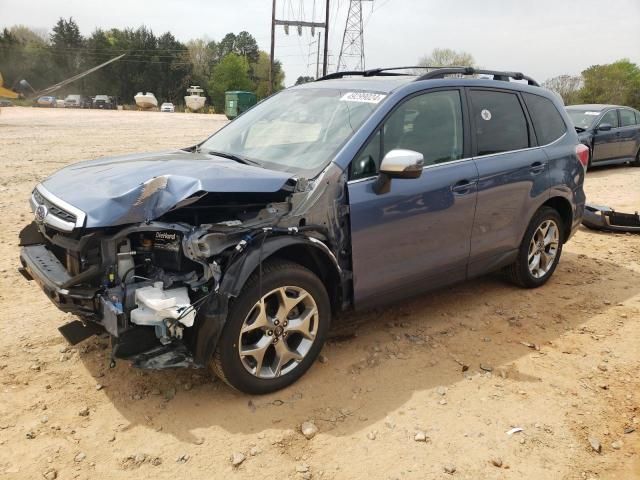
374 72
436 72
497 75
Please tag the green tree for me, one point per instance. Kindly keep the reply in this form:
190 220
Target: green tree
617 83
304 79
232 73
261 75
446 57
66 44
567 86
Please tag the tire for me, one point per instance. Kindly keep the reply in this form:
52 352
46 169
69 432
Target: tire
283 283
521 272
636 162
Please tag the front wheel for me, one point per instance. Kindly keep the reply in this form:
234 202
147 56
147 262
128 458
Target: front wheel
275 329
540 250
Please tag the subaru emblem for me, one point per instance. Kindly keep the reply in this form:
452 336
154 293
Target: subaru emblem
41 213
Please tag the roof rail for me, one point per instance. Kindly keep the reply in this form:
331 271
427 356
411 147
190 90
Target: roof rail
436 72
497 75
374 72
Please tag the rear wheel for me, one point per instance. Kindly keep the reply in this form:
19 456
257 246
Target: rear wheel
540 250
636 162
275 329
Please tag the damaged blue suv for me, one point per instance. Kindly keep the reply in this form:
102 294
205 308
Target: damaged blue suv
357 190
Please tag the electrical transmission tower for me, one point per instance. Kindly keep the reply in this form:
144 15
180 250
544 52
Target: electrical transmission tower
352 50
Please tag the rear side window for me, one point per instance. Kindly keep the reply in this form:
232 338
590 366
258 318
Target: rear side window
611 117
547 122
500 124
627 117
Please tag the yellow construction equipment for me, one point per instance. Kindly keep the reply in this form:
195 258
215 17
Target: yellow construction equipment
5 92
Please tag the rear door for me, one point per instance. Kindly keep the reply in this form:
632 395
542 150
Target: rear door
629 133
606 146
512 176
416 236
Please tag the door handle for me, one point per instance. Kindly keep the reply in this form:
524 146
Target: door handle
537 167
463 186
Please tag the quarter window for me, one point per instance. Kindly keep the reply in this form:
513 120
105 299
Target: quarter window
500 124
627 117
611 117
429 123
547 122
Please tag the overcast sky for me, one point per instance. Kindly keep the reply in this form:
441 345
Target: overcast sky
542 38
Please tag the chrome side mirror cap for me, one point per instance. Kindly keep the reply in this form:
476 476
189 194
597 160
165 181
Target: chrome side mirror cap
398 164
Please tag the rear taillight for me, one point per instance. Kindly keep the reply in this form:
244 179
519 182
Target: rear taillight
582 152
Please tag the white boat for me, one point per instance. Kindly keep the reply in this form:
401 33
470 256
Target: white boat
146 100
194 101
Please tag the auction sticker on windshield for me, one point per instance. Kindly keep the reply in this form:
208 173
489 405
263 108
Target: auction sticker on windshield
363 97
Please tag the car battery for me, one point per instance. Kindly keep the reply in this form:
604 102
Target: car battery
167 250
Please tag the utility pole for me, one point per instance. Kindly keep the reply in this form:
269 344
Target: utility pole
352 50
273 45
318 56
300 24
326 40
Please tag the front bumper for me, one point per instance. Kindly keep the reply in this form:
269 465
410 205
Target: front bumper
604 218
41 265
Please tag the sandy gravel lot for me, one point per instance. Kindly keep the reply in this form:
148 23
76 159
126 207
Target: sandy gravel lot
65 414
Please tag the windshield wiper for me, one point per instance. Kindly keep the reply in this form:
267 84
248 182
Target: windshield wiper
231 156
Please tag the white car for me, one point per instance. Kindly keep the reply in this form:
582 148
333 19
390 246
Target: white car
167 107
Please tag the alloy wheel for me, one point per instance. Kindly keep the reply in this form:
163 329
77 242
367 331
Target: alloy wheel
543 248
278 332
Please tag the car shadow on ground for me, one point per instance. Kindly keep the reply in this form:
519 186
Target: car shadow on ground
414 346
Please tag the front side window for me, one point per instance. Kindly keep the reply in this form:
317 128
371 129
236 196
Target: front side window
547 122
429 123
297 130
611 117
627 117
500 124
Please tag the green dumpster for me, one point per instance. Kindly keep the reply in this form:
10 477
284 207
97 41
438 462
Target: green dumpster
237 102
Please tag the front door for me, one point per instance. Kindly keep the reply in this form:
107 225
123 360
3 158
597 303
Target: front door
416 236
605 144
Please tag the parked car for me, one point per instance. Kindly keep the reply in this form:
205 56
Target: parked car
104 102
167 107
59 103
77 101
341 194
5 103
612 132
45 101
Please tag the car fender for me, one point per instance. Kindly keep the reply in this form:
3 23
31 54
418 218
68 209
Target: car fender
214 316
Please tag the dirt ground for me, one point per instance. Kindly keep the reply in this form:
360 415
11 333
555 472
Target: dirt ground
65 414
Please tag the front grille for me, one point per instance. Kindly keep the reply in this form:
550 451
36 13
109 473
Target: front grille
54 209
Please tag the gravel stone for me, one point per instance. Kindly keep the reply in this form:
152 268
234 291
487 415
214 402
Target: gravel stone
309 430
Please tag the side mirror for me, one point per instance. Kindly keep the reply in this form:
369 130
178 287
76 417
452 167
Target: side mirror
398 164
604 127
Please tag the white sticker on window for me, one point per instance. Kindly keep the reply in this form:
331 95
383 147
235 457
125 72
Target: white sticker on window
485 114
595 114
363 97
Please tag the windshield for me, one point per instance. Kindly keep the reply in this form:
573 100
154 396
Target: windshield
297 130
583 118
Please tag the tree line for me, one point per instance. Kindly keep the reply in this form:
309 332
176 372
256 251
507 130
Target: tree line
615 83
155 63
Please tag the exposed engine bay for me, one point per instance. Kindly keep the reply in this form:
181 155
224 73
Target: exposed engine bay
160 288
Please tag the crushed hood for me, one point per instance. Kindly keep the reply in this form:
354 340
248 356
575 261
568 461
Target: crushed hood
135 188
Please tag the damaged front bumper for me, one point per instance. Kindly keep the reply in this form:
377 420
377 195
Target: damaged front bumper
605 218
